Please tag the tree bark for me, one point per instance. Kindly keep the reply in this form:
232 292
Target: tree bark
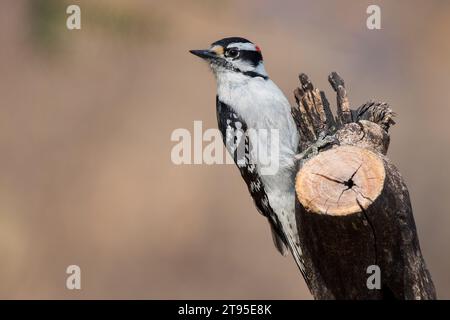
355 222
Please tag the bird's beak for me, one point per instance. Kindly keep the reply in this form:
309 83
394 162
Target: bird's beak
204 54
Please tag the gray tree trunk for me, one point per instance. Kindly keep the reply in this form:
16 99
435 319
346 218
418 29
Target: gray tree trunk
357 231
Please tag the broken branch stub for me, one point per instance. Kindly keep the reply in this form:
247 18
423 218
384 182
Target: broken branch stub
353 208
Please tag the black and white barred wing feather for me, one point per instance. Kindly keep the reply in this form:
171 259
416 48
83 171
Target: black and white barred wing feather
235 138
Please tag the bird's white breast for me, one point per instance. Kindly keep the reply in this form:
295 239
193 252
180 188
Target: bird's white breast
262 105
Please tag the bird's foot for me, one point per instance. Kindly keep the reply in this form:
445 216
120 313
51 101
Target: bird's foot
324 141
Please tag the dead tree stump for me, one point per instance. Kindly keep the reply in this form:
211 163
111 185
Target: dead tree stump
353 209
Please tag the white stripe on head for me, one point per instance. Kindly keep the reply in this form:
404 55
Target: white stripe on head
243 46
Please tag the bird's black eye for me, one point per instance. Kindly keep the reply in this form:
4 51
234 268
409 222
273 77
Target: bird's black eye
232 53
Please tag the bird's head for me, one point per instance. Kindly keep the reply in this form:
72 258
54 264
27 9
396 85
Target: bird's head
234 55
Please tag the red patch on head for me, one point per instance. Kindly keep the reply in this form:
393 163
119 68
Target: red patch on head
257 48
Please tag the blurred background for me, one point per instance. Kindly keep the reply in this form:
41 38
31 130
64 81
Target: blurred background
86 117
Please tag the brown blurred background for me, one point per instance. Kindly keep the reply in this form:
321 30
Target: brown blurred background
85 124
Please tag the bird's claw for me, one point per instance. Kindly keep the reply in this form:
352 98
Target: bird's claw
322 142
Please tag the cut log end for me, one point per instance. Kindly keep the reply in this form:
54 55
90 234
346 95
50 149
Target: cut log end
340 181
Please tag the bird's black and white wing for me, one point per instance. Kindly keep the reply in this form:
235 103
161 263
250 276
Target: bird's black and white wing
233 130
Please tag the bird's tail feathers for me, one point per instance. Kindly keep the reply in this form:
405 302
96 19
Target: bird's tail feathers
278 241
296 252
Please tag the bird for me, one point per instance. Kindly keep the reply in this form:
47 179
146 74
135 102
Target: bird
249 103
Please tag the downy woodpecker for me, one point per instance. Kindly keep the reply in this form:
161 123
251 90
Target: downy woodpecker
248 101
